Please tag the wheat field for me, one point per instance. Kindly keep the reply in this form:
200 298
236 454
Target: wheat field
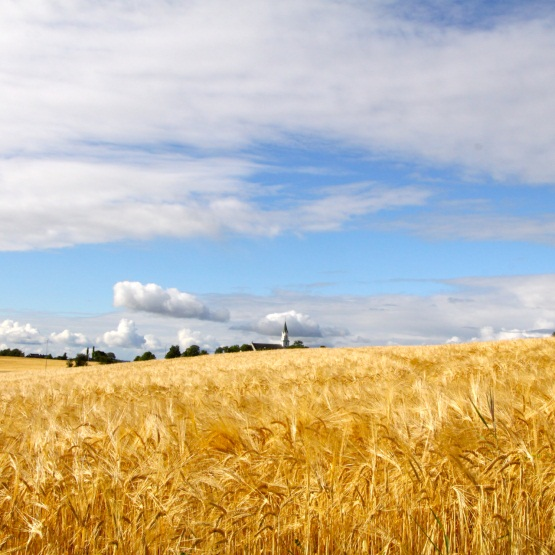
17 364
397 450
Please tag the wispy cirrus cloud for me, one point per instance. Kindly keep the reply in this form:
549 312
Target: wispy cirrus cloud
179 198
383 81
484 226
135 121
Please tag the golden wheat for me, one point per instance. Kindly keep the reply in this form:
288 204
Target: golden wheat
12 364
399 450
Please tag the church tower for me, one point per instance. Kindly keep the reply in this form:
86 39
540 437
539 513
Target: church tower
285 336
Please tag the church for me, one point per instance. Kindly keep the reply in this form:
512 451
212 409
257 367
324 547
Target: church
272 346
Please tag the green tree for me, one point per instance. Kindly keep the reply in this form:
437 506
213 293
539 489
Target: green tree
80 360
145 356
246 347
11 353
228 349
192 351
103 358
297 345
174 352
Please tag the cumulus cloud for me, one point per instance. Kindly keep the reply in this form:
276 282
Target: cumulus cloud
124 336
453 340
188 337
133 295
152 343
298 325
488 333
12 332
69 339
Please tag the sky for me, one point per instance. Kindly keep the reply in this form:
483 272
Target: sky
377 172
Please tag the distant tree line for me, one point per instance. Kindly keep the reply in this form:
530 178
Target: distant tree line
233 349
100 357
20 353
192 351
11 353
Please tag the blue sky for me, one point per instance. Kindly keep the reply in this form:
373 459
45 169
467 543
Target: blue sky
373 172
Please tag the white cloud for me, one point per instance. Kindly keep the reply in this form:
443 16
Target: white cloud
13 332
69 339
169 302
170 198
545 324
484 226
360 74
475 308
152 343
173 197
125 336
188 337
298 325
341 204
453 339
488 333
504 304
124 120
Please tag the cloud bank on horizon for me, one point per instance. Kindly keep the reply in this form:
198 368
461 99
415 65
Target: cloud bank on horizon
474 309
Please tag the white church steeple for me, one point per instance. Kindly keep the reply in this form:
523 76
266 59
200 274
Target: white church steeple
285 336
